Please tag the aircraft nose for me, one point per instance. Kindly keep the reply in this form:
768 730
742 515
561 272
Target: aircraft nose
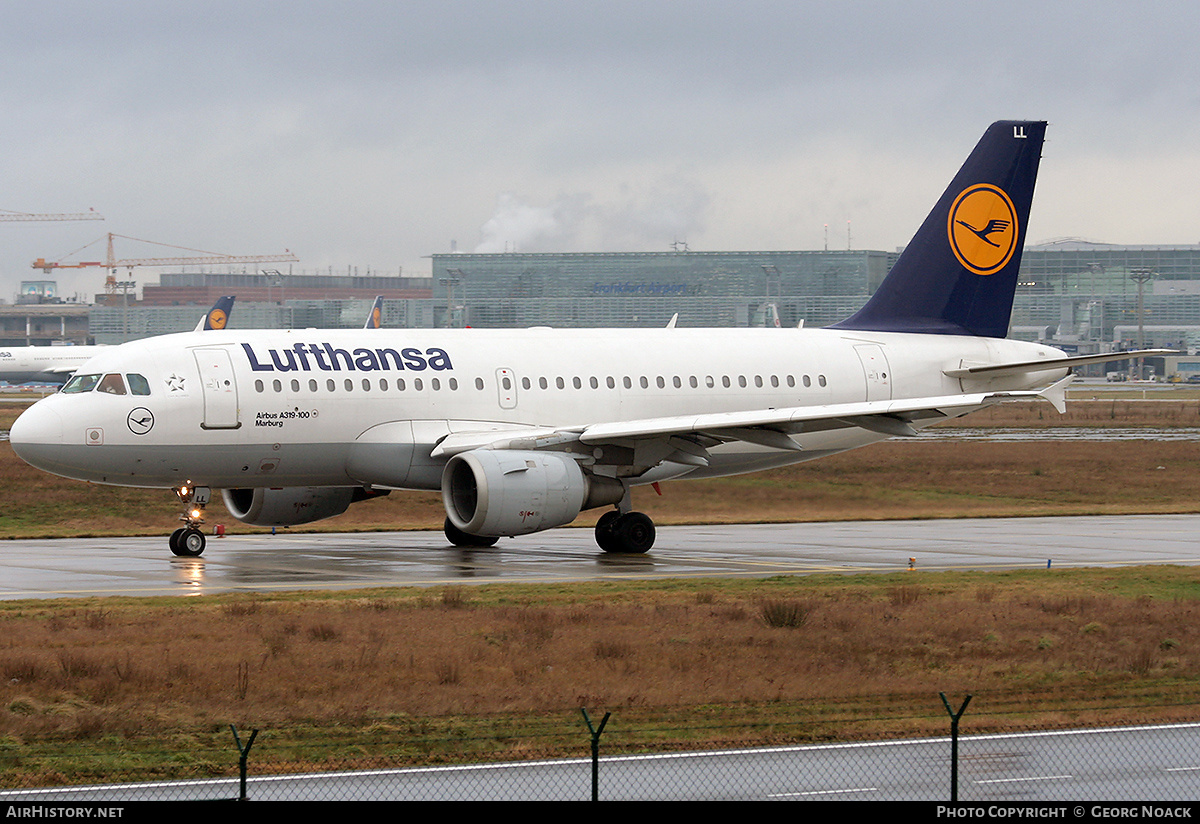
38 429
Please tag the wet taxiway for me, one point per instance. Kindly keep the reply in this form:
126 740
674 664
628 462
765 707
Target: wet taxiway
145 567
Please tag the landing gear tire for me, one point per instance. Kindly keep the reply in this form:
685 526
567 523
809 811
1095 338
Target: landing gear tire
465 539
629 534
187 542
604 530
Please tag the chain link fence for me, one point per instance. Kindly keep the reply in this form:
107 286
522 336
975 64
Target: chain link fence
843 752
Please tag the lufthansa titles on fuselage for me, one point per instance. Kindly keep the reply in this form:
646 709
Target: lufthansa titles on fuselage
325 357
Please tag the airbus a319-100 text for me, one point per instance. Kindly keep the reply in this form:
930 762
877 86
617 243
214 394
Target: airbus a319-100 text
522 430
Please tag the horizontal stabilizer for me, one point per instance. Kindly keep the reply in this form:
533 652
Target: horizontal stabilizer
1026 367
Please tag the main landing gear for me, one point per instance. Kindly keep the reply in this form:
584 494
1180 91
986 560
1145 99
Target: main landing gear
188 541
625 533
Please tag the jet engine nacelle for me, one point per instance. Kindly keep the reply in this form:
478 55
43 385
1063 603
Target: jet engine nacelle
497 492
288 506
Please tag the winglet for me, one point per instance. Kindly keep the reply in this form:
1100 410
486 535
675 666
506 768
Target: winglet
375 318
218 315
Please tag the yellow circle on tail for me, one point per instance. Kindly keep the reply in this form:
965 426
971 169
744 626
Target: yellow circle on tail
983 228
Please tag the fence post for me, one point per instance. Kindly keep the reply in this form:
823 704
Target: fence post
595 731
243 759
954 742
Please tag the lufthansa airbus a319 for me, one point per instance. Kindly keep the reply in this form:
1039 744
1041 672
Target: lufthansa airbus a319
522 430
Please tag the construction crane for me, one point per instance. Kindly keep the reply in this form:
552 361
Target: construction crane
113 263
8 214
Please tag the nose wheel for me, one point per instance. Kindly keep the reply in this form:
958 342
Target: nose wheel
188 541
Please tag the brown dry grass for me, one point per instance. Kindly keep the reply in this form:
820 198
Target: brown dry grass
897 480
131 670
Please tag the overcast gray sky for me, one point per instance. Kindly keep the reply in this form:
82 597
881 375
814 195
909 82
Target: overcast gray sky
373 134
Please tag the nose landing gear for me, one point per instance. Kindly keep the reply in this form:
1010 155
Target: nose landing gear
188 541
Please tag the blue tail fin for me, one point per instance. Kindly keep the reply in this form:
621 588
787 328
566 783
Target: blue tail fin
959 274
218 315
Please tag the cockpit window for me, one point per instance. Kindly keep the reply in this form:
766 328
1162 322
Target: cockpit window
113 384
81 383
138 385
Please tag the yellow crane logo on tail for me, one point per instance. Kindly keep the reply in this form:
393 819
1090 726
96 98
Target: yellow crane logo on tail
983 228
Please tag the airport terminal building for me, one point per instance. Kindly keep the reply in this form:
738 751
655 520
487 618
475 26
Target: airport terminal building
648 288
1078 295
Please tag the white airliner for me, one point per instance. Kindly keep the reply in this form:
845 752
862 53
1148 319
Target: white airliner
56 364
43 364
521 430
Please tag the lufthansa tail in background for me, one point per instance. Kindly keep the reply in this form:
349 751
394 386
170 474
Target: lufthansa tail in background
521 430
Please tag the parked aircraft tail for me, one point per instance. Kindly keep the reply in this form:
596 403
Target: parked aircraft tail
375 318
218 315
958 275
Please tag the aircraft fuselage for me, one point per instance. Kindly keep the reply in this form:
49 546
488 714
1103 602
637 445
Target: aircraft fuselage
347 407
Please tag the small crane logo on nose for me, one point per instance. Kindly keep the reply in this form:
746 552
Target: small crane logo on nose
140 421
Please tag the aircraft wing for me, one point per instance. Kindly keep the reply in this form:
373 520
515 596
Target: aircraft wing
765 427
1025 367
893 417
